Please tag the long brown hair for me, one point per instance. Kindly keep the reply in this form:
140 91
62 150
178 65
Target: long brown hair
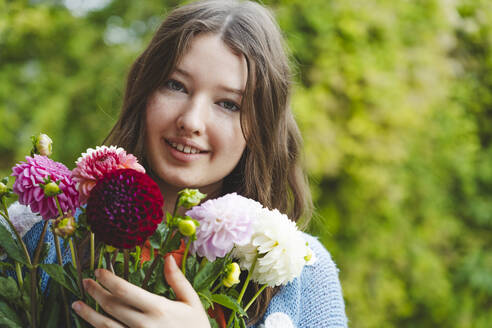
269 170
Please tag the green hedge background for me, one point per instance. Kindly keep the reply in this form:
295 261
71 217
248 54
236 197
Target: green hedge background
394 99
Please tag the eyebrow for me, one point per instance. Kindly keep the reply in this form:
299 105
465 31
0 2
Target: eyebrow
227 89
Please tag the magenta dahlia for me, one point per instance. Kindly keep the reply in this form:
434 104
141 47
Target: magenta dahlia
124 208
95 163
31 173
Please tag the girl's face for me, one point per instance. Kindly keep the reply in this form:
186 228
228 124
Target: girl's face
193 132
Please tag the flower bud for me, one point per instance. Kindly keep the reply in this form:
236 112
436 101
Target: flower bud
51 189
310 257
3 189
187 227
65 226
42 144
109 249
190 197
233 272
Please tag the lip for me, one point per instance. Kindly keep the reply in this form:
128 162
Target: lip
183 157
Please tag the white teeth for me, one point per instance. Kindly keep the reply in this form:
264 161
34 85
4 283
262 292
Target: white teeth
184 149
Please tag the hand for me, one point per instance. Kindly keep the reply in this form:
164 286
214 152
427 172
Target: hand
135 307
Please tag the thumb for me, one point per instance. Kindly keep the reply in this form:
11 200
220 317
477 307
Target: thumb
182 288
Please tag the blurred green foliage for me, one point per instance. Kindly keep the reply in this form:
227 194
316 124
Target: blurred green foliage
394 99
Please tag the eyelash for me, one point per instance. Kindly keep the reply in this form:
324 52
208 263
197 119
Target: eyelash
228 104
175 86
179 87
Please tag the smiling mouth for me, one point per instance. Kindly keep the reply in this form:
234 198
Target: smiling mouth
184 148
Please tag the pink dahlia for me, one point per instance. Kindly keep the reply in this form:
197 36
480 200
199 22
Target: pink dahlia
95 163
224 222
31 173
124 208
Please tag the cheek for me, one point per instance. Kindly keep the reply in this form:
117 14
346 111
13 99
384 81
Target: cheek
232 138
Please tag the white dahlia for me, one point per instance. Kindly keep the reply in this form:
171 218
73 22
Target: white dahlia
282 251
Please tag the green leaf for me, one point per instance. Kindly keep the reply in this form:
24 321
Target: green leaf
11 247
44 252
9 316
158 283
208 274
79 323
6 266
206 298
172 244
6 322
159 235
9 288
242 323
192 266
232 292
228 302
26 292
57 273
52 313
236 321
213 323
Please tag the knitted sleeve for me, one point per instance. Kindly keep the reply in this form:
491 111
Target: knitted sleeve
322 302
312 300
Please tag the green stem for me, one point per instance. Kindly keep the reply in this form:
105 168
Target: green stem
34 268
243 290
58 205
126 264
176 206
254 297
92 252
138 251
183 263
216 287
60 263
248 278
18 270
77 267
72 251
99 266
149 273
100 260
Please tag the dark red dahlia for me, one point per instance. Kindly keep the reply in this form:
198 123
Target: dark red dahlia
124 208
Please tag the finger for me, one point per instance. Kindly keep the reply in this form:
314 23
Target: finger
95 319
181 286
113 305
128 293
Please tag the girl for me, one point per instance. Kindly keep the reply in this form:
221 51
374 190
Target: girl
207 106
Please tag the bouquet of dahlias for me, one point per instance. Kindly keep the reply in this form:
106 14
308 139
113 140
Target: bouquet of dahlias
118 209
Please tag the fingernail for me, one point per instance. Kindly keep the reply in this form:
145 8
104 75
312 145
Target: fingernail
173 261
96 273
84 282
76 306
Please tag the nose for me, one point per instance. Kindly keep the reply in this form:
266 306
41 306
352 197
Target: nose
191 120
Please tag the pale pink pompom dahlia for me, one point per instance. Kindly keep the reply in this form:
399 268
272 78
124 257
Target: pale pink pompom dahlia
224 222
31 173
95 163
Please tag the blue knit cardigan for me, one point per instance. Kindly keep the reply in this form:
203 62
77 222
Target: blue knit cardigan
313 300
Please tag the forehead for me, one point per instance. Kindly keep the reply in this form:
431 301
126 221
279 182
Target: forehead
209 59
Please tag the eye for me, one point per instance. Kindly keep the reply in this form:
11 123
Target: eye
175 85
229 105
